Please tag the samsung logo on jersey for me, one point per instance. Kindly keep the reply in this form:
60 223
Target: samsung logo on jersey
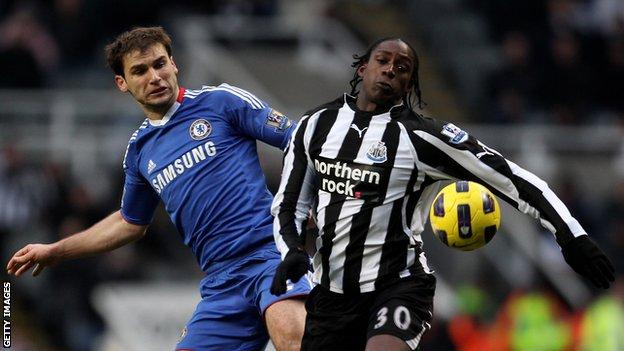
181 164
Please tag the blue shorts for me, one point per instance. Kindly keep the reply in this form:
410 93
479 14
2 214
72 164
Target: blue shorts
234 298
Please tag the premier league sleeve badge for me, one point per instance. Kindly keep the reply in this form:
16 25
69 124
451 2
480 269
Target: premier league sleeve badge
278 120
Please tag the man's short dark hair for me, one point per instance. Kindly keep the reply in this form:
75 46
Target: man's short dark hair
138 38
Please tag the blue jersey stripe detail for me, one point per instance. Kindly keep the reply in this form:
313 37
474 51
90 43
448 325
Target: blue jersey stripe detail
249 98
245 93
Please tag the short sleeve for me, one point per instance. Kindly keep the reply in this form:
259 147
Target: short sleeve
139 200
255 119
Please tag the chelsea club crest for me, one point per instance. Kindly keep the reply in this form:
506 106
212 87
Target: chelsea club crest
377 152
200 129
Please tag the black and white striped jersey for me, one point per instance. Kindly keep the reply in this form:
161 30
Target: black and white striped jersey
370 181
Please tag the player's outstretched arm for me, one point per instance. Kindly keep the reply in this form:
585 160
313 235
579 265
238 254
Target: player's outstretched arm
446 151
106 235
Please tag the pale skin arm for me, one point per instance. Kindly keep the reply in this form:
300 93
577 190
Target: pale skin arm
106 235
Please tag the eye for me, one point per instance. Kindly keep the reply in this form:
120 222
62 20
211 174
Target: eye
139 71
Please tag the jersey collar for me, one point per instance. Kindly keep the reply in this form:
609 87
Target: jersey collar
180 97
350 101
176 105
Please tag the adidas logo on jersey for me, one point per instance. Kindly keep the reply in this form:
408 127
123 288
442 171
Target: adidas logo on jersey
150 166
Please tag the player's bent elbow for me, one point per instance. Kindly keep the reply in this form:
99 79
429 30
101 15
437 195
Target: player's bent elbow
134 231
137 231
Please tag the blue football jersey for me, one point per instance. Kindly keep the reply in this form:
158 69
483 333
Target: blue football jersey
201 161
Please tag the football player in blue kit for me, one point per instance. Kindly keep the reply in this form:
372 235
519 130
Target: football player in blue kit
196 151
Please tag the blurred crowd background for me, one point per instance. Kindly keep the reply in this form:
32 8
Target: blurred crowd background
541 81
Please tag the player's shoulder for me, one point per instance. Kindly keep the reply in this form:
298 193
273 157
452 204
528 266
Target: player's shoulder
139 133
224 96
135 140
425 125
417 121
331 105
411 119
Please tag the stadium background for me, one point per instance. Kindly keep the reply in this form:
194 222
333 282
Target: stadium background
541 81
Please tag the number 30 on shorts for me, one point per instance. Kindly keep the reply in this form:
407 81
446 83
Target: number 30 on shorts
401 317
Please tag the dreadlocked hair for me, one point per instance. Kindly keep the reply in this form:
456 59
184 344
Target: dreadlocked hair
408 98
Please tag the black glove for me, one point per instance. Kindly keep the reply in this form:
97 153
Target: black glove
295 265
582 254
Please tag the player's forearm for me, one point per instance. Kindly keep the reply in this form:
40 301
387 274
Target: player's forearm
108 234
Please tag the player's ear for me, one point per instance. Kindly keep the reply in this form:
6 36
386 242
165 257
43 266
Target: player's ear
361 69
175 67
121 83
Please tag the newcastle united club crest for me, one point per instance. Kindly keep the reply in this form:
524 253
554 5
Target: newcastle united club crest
377 152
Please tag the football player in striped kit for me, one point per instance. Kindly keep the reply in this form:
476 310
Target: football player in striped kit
196 151
368 167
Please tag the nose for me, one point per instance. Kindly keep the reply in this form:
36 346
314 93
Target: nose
389 70
154 76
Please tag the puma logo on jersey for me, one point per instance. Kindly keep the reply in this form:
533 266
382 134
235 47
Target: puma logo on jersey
486 151
483 153
360 131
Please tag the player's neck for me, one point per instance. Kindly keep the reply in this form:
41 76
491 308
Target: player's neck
156 113
366 105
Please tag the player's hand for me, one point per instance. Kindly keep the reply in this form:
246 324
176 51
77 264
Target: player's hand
33 255
295 265
588 260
